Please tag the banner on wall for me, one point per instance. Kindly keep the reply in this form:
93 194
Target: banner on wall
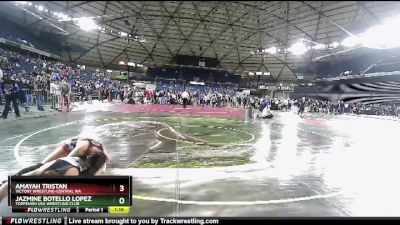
121 77
246 92
139 85
151 87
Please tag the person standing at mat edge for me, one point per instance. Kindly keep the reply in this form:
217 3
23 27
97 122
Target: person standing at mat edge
302 105
10 91
185 98
64 95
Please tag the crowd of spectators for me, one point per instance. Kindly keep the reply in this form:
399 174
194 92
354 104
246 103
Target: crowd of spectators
169 94
43 80
325 107
341 107
39 78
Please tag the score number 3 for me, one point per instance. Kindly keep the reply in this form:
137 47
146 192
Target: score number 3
122 199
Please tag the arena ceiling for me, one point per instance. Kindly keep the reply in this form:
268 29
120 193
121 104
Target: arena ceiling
228 31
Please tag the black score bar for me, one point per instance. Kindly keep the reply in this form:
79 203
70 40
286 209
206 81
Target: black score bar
117 209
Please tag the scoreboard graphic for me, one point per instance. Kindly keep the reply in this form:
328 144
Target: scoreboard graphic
100 194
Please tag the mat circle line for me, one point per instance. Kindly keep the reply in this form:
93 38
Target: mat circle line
184 202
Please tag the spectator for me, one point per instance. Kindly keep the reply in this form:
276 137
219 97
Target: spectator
10 90
39 89
21 93
1 89
64 94
28 86
185 98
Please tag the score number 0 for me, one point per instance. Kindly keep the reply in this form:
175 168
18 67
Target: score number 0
122 199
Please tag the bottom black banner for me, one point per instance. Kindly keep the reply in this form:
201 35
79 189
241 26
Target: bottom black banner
175 220
33 220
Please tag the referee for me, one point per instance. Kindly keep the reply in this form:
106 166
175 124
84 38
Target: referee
185 98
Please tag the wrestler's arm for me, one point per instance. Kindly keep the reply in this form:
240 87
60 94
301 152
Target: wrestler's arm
80 149
28 169
39 171
56 154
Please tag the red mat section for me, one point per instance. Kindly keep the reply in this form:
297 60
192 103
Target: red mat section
169 109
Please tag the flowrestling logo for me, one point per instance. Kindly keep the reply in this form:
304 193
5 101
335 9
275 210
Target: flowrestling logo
110 221
47 210
11 220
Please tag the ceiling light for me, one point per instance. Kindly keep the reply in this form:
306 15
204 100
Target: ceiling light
258 73
319 46
382 36
97 70
40 8
139 65
22 2
271 50
251 74
131 64
87 24
29 3
55 13
123 34
298 48
351 41
46 10
335 44
121 63
109 71
266 73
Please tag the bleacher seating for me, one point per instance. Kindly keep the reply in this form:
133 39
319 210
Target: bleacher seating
13 32
21 65
352 66
388 64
